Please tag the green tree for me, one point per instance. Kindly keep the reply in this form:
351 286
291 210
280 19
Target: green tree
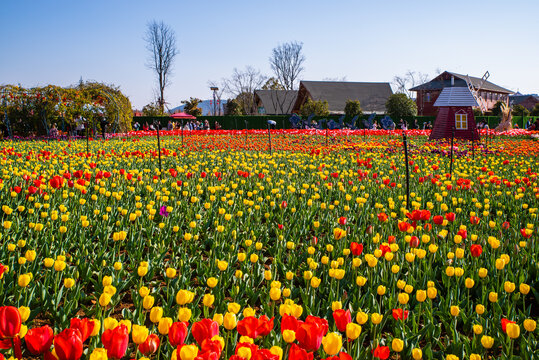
152 109
497 108
399 105
519 110
352 108
233 107
535 110
191 107
272 84
319 108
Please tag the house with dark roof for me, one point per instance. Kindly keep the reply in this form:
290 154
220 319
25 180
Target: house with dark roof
275 102
488 93
372 96
528 101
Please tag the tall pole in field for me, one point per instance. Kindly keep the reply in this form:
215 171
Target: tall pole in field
405 144
157 125
270 124
451 158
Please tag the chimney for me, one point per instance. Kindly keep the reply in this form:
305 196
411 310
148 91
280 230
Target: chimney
452 80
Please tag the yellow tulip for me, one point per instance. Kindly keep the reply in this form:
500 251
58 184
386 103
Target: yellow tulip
417 354
148 302
99 354
188 352
156 314
397 345
530 325
487 341
208 300
140 333
164 325
353 331
24 312
289 336
184 314
513 330
332 343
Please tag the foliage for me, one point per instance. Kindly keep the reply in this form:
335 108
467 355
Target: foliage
399 105
233 107
319 108
272 84
352 108
496 109
152 109
519 110
35 110
535 110
191 107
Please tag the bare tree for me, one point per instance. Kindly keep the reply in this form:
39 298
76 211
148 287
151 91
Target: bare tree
242 85
404 83
161 42
287 63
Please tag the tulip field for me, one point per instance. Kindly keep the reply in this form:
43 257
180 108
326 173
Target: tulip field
307 248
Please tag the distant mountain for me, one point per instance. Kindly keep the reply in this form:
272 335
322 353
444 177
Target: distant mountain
207 108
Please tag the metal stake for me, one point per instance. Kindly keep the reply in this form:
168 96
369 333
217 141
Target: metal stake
405 143
451 159
269 134
158 145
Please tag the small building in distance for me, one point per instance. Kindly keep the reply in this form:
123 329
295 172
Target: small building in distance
528 101
455 114
428 93
275 102
372 96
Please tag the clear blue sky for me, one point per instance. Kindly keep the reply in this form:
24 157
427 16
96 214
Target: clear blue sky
57 42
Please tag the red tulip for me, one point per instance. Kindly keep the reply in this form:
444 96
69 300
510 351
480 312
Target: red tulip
404 226
506 225
450 217
476 250
438 219
381 352
425 215
414 241
342 220
311 332
116 341
382 217
253 327
204 329
39 340
150 345
177 333
85 326
209 347
289 322
399 314
264 354
523 233
10 322
297 353
3 269
68 345
342 318
356 248
385 249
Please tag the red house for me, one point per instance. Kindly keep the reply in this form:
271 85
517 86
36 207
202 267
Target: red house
455 112
487 93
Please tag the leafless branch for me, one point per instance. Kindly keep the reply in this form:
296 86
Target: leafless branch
287 63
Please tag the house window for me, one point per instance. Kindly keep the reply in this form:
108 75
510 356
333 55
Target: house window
427 97
461 121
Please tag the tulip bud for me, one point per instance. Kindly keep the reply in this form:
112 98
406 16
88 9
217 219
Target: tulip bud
353 331
156 314
397 345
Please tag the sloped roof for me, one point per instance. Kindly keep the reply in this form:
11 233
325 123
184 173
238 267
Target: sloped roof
517 99
460 81
456 96
372 96
277 102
